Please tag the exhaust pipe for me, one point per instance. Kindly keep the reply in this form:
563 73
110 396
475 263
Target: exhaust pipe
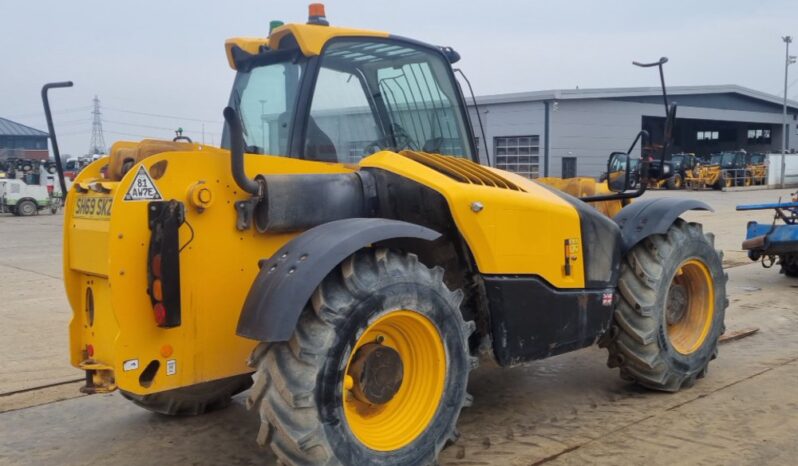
237 153
48 115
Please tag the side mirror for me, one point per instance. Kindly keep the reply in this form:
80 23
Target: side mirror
618 172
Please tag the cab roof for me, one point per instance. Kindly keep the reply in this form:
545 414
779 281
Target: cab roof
311 39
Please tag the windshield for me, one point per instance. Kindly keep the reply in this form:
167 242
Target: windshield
369 95
727 159
374 95
264 93
757 159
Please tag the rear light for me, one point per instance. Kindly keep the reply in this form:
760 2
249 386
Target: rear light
163 271
90 351
155 266
159 311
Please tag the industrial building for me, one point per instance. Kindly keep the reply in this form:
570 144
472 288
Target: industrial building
20 141
571 132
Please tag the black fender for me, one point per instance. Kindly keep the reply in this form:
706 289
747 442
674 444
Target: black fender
652 217
286 280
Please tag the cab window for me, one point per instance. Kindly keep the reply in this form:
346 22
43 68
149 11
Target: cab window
374 95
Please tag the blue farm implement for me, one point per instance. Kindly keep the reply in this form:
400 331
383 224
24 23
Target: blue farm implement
777 240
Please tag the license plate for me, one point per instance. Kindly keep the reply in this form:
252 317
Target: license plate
98 207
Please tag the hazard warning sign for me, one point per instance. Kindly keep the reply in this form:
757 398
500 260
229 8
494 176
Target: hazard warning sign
142 188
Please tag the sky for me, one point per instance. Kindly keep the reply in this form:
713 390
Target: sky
159 65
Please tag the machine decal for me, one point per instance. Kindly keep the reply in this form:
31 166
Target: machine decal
171 367
143 188
130 365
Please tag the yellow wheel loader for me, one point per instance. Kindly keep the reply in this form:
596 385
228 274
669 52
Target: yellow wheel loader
756 170
344 253
724 170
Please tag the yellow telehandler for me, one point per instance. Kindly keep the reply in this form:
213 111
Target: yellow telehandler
345 257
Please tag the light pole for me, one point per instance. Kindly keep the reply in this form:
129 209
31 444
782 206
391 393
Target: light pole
263 125
788 60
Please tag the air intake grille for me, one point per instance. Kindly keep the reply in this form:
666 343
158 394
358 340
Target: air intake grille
460 169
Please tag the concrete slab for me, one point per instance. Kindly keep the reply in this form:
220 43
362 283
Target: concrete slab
34 313
569 409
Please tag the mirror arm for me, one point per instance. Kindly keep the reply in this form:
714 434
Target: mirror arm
616 196
643 180
640 134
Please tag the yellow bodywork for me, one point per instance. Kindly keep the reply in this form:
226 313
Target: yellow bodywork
517 232
703 176
217 266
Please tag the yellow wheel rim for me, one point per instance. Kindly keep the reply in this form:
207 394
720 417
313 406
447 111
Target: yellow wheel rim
396 423
690 306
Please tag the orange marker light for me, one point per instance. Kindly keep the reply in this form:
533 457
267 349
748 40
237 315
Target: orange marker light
166 350
157 290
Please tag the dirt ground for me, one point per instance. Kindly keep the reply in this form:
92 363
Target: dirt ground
570 409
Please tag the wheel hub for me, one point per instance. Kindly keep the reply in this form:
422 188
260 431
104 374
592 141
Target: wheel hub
377 372
677 304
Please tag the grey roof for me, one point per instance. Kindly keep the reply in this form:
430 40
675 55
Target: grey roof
619 92
11 128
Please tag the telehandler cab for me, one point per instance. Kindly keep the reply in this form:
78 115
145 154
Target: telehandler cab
330 247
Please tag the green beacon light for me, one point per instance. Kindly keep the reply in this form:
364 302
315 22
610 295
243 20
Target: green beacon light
274 25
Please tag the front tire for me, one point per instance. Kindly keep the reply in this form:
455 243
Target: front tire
671 309
727 180
675 182
310 390
194 399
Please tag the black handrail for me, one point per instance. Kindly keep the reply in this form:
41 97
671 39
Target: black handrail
479 117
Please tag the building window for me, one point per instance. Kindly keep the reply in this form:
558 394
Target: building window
518 154
707 136
759 136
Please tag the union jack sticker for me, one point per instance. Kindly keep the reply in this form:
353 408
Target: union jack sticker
606 299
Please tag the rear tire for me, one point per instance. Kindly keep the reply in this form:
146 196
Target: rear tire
194 399
26 208
311 412
671 309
